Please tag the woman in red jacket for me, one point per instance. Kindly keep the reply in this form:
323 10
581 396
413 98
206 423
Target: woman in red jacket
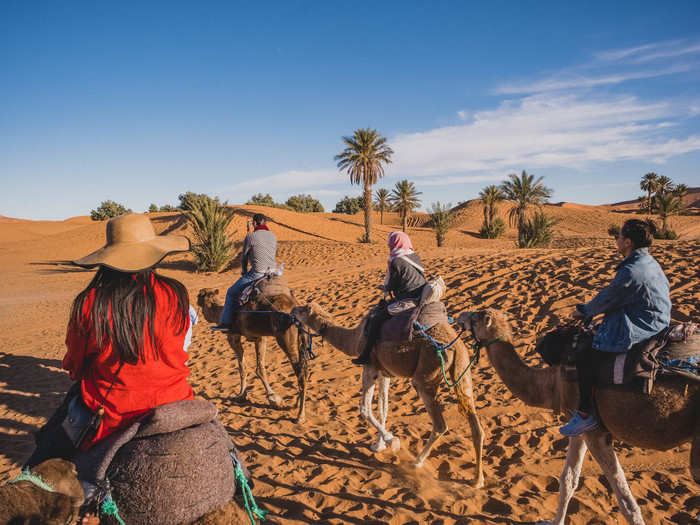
126 342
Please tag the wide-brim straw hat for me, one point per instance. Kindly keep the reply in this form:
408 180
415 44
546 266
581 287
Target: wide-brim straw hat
133 245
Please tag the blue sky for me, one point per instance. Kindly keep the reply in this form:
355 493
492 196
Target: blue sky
141 101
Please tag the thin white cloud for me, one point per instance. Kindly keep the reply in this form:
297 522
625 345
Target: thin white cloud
545 131
289 180
651 52
463 115
556 83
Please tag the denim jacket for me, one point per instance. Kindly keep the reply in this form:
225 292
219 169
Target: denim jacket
636 304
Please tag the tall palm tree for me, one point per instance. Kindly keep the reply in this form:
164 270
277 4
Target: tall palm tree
489 196
381 202
680 190
524 191
665 205
363 159
648 184
663 185
404 199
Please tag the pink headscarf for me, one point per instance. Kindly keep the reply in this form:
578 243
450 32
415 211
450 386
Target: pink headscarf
399 244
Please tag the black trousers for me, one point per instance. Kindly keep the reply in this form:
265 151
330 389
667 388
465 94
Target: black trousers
374 328
51 440
588 364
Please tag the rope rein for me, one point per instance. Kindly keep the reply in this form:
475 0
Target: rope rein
250 506
27 475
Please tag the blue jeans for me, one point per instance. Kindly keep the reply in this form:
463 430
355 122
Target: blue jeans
234 292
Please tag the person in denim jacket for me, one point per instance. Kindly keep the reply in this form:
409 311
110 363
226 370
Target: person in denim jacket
637 306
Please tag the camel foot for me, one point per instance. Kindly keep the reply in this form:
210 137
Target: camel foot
479 483
274 400
395 444
301 418
378 446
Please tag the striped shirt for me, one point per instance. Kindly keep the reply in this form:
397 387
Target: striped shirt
259 251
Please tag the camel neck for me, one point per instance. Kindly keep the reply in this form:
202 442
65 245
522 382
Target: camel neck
346 340
533 386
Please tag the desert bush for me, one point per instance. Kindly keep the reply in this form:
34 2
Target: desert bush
536 232
441 221
349 205
495 229
668 234
169 207
304 204
107 210
212 245
190 200
614 230
261 200
153 208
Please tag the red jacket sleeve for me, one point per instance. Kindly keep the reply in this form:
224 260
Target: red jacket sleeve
76 344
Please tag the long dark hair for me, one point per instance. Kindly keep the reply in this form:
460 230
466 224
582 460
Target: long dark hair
124 304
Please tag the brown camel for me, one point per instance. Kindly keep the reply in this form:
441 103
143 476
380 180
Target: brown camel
665 419
255 327
416 359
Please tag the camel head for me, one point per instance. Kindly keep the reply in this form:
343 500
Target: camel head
206 298
312 315
63 478
486 325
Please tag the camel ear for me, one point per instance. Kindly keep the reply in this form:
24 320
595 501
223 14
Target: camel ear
488 321
216 291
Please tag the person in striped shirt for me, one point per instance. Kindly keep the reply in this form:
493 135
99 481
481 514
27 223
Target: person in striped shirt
258 258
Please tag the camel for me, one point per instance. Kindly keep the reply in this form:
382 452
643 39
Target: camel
416 359
256 328
665 419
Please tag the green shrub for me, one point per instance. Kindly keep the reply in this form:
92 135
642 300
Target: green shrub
304 204
494 230
614 230
169 207
212 245
152 208
441 220
107 210
349 205
668 235
261 200
537 231
190 200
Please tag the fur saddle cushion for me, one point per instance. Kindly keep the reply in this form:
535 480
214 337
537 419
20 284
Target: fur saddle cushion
171 467
400 327
23 503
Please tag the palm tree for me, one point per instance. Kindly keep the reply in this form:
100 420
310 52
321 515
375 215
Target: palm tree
381 202
363 158
681 190
524 191
648 184
404 199
663 185
489 196
665 205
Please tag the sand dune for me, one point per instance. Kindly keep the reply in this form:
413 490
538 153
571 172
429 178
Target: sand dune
324 471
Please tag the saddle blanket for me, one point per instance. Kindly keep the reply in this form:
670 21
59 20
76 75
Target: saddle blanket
270 285
400 327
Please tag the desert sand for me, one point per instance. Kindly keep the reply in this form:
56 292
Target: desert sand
323 471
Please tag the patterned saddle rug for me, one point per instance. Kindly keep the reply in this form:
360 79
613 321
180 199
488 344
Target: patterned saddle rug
269 285
400 327
675 351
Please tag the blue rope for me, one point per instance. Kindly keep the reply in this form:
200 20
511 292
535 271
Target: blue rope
440 350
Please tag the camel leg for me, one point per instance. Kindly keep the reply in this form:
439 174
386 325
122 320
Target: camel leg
383 410
369 381
600 445
428 393
288 341
237 345
568 482
261 371
465 397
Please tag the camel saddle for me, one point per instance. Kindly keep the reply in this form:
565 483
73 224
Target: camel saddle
399 327
172 466
270 285
674 351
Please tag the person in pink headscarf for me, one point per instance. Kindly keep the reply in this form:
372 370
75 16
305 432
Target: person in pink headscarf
405 279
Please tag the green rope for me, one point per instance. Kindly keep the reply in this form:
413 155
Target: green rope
250 506
109 507
26 475
474 359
